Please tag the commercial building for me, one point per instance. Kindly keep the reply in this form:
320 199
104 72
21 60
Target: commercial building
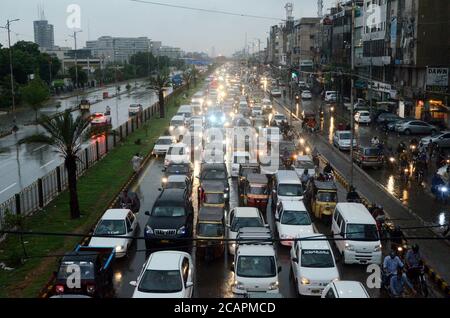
44 34
118 49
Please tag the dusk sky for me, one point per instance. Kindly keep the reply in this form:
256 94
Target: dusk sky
189 30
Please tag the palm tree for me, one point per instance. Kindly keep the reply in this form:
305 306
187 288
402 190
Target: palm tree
66 135
159 83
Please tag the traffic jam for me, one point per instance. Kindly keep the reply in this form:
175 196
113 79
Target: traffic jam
244 202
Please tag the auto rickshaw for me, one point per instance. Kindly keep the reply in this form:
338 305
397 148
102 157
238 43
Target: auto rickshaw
210 230
322 197
256 191
309 120
213 195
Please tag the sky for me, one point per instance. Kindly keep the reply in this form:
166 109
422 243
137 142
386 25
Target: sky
189 30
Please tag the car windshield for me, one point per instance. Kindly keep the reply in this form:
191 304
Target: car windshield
345 136
214 175
160 281
326 196
87 270
257 108
295 218
210 229
111 227
366 232
304 165
256 266
214 198
176 185
290 190
168 211
258 190
372 152
178 169
176 123
241 159
280 117
176 151
317 259
245 222
164 142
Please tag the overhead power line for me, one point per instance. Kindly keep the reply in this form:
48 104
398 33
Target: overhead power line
208 10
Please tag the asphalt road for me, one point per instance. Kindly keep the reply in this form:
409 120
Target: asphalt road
22 165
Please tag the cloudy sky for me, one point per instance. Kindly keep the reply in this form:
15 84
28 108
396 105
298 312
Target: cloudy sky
190 30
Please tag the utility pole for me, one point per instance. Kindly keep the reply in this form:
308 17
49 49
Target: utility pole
8 27
352 119
76 59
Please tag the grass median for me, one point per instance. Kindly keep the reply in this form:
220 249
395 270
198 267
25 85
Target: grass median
96 189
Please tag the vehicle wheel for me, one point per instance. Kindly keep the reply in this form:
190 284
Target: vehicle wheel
407 132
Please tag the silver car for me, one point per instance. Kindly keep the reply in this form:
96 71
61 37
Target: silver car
416 127
441 140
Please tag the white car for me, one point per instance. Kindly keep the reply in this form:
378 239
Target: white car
116 222
306 95
177 126
162 145
313 265
275 92
267 104
363 117
241 217
177 153
342 139
279 118
305 163
442 140
100 119
257 111
166 274
330 96
292 219
345 289
135 109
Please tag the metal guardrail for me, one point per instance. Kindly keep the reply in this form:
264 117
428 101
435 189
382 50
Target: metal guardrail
41 192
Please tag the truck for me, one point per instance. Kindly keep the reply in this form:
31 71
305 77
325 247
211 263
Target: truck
86 271
177 80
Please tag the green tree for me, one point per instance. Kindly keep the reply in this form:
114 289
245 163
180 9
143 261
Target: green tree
195 74
66 135
187 77
159 83
82 76
35 94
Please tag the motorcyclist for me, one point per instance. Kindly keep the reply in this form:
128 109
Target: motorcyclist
125 200
391 263
305 177
403 159
396 237
328 169
401 147
413 260
353 196
378 214
398 282
375 141
108 110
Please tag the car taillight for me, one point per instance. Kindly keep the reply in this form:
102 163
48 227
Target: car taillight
59 289
90 289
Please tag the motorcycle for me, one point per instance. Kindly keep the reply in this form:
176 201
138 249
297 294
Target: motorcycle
417 278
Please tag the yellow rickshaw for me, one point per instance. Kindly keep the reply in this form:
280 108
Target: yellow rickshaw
322 197
213 195
210 232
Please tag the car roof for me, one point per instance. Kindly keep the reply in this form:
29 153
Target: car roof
287 176
170 196
310 244
115 214
256 250
167 137
177 178
212 186
350 289
213 166
179 144
178 117
185 108
213 214
257 178
325 185
246 212
294 205
165 260
355 213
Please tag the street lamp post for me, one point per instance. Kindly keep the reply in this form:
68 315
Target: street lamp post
8 27
76 59
352 119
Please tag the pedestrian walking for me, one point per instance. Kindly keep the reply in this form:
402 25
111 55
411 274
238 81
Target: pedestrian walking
136 161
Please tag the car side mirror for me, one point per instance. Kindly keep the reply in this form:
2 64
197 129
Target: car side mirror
147 213
133 283
274 191
295 260
279 269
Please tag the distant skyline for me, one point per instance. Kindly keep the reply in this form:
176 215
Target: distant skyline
187 29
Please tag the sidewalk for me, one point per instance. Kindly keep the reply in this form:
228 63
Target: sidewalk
435 252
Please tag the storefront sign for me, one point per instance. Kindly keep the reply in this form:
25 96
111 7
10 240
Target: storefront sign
437 76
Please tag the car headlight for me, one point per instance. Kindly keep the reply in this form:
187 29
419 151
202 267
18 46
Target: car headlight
225 195
119 248
378 248
164 180
166 162
182 230
273 286
349 247
148 230
171 128
304 281
238 285
233 245
335 279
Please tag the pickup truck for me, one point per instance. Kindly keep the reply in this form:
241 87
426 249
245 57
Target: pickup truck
86 271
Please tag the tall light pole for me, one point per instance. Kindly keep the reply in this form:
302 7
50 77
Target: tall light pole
76 58
8 27
352 119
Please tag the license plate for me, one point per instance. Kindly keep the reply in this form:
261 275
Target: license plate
164 241
315 291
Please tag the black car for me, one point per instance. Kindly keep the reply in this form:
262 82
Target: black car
244 170
170 220
214 172
177 169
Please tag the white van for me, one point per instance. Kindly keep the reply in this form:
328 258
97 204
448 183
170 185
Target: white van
330 96
177 127
287 187
255 263
357 234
